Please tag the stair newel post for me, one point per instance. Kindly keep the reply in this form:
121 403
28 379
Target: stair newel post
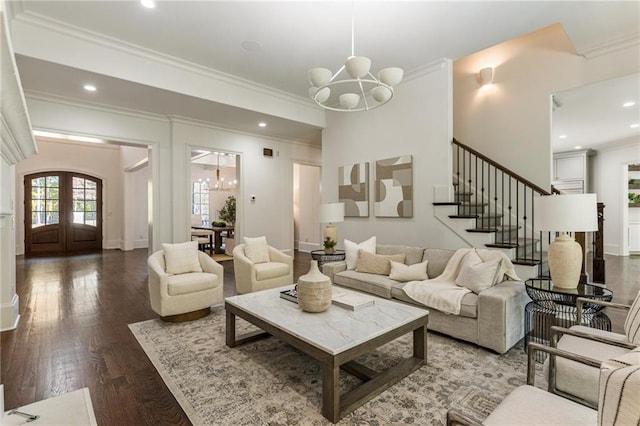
517 217
464 178
502 204
510 207
495 194
476 185
458 189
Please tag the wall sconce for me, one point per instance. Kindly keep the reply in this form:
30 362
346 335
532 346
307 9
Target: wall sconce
486 76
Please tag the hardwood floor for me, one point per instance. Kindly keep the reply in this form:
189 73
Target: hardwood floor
73 332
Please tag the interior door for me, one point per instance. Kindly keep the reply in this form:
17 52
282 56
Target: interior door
65 212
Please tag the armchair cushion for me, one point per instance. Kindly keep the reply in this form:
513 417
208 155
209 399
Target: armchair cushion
256 249
632 323
189 283
268 270
351 250
181 258
529 405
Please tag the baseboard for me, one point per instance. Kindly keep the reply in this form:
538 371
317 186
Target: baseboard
308 247
10 314
612 249
141 244
112 244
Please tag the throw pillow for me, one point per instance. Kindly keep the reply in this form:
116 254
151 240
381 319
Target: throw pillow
619 390
632 323
478 277
402 272
181 258
379 264
351 250
256 249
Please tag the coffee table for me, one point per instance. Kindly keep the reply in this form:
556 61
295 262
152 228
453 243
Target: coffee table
335 338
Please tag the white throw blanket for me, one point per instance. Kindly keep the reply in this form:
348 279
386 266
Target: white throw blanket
442 293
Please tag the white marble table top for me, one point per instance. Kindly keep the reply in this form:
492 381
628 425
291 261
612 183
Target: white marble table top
334 330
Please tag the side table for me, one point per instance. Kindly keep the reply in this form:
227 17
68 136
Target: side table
323 257
551 306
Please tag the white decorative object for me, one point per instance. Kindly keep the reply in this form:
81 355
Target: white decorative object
314 290
351 250
350 93
486 76
330 214
566 213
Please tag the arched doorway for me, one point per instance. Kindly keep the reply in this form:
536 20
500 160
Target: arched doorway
63 213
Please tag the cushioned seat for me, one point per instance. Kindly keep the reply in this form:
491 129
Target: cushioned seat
184 282
258 266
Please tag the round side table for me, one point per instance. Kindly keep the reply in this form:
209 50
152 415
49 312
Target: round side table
552 305
323 257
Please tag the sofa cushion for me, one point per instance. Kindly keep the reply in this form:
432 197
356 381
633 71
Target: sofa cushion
379 264
438 259
268 270
468 307
404 273
478 277
412 254
190 283
351 250
181 258
378 285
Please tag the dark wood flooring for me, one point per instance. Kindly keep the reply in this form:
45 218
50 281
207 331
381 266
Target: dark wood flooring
73 333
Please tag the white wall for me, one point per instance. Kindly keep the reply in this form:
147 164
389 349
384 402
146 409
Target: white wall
610 183
510 121
417 121
98 160
135 195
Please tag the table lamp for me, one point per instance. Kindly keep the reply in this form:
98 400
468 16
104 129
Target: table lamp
331 213
566 213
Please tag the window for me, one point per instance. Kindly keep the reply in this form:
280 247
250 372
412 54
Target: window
45 201
200 199
85 205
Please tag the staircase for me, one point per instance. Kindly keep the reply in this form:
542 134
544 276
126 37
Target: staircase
493 207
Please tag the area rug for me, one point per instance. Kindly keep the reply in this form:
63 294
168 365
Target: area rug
268 382
221 257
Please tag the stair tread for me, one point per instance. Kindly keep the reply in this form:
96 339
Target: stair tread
446 203
497 228
463 216
529 262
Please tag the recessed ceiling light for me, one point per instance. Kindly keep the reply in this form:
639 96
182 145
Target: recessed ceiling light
577 147
562 137
251 46
149 4
635 125
262 124
90 88
628 104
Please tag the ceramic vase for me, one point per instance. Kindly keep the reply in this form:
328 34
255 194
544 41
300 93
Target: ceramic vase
314 290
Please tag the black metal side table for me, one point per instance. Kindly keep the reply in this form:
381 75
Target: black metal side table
323 257
552 305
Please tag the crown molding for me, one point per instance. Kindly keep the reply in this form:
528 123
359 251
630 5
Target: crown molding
37 20
610 46
427 69
216 126
15 127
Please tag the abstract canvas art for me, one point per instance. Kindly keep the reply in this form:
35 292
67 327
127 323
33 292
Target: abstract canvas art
353 189
394 187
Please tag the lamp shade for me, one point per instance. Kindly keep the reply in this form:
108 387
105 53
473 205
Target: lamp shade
332 212
566 213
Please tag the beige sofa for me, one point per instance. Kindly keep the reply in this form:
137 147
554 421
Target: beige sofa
494 318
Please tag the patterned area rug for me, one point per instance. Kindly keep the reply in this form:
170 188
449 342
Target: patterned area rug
270 382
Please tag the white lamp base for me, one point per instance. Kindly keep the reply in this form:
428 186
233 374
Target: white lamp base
565 261
331 232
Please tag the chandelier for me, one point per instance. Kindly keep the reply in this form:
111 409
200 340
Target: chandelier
351 90
219 185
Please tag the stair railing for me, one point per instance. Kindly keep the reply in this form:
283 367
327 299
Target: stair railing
482 182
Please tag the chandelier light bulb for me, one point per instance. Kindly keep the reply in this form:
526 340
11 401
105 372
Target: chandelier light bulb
358 66
391 76
381 94
349 100
319 77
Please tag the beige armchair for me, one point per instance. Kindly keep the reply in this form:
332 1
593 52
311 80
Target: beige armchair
576 381
251 276
184 296
618 404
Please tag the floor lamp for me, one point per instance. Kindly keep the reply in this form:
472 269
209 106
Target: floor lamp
566 213
331 213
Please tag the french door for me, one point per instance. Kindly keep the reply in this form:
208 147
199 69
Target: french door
63 213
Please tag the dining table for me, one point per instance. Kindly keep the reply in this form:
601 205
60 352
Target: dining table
215 239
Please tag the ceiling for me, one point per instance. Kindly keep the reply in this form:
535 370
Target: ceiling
284 39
